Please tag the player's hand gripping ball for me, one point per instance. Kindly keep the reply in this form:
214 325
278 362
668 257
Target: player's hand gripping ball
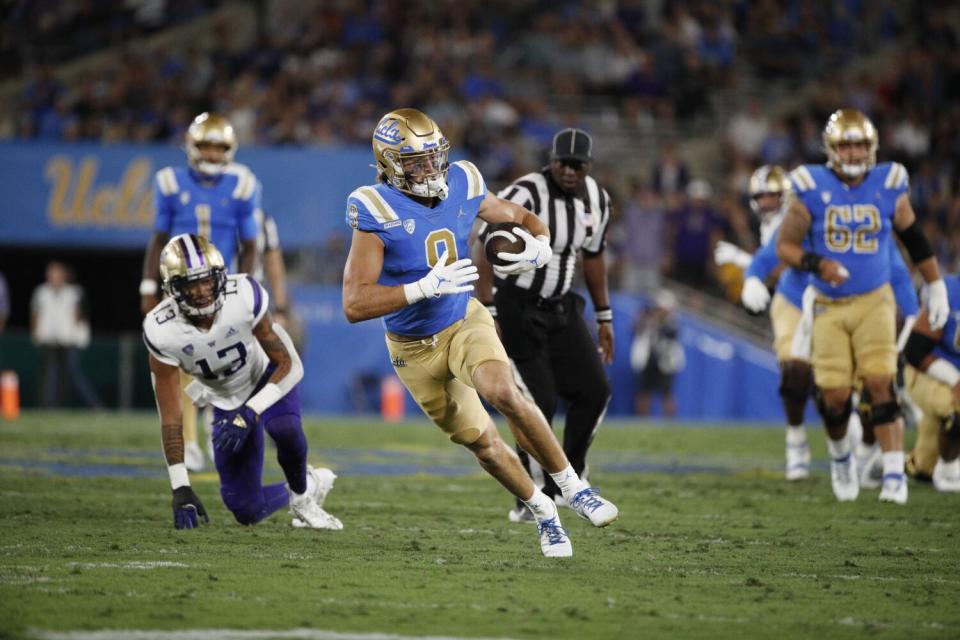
502 239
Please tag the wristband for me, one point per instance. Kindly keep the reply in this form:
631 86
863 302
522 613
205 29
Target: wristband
811 262
265 398
178 476
413 292
604 314
148 287
944 371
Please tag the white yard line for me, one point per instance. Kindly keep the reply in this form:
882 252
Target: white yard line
231 634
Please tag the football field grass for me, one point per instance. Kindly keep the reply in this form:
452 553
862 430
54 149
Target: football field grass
711 543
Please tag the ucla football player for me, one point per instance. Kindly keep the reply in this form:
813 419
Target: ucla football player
408 264
212 197
770 193
217 329
838 228
933 381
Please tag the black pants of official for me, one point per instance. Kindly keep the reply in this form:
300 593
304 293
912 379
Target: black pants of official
557 357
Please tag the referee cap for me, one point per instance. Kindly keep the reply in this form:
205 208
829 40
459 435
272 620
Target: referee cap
574 144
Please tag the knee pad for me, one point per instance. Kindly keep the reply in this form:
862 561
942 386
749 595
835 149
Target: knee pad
796 383
243 511
865 408
885 412
830 419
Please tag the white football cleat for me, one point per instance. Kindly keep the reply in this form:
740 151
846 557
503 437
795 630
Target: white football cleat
844 478
894 488
589 505
798 461
308 514
554 541
869 465
319 483
193 457
946 475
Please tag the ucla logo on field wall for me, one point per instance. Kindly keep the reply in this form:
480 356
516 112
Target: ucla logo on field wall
77 200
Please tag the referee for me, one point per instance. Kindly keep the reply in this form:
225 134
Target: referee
540 319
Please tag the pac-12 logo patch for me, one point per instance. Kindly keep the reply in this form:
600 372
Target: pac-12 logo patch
409 225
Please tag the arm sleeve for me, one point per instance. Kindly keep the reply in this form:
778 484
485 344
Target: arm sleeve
764 261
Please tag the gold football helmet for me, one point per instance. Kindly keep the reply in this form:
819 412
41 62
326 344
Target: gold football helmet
412 153
185 261
210 129
769 179
849 125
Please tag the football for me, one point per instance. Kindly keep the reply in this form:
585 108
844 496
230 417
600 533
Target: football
502 239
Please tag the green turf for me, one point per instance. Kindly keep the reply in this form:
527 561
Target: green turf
736 553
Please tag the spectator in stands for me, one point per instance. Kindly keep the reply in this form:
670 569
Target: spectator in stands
656 354
694 230
59 326
670 173
637 241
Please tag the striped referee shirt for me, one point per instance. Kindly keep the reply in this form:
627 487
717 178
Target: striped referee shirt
577 222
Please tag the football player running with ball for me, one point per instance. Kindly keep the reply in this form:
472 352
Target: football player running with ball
846 210
217 328
408 264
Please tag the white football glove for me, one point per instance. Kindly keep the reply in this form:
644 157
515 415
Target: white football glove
728 253
938 306
536 253
444 279
755 295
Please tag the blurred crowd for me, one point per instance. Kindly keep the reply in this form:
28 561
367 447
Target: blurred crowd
502 76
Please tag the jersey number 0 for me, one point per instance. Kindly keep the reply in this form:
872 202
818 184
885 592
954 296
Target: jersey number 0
435 244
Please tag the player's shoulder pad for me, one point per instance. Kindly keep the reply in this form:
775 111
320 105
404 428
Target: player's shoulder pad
368 210
155 332
167 182
475 186
895 176
803 178
255 297
246 184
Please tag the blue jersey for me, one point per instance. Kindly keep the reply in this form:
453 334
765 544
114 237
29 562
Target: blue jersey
414 237
903 291
221 210
852 224
949 345
792 282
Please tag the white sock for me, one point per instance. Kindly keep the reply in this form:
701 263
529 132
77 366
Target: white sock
542 507
892 462
838 448
796 435
569 482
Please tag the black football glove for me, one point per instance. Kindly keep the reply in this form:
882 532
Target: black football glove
232 430
186 509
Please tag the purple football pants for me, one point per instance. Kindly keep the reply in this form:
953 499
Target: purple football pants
241 485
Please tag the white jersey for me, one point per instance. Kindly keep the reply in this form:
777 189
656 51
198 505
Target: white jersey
226 361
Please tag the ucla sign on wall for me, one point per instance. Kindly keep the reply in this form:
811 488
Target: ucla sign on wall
102 196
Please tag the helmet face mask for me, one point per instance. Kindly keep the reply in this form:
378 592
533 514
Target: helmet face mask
211 144
194 275
770 191
412 154
850 141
